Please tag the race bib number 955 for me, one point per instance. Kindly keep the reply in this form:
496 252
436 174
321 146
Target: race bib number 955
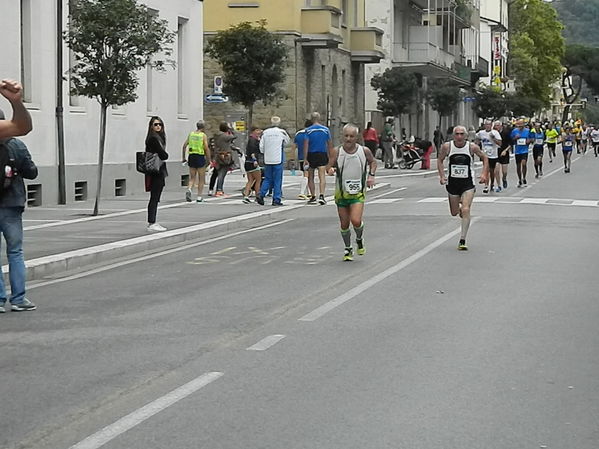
459 171
353 187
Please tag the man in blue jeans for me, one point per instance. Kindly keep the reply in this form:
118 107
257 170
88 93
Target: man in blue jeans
272 145
12 205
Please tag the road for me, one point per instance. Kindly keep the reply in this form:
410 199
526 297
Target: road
264 338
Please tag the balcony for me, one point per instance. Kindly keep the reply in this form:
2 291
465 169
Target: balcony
366 45
321 27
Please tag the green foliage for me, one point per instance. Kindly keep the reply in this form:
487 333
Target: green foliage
490 102
536 47
583 61
444 97
397 90
522 106
580 19
111 41
591 113
253 62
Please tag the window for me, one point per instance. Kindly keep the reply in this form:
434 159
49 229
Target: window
26 49
344 12
181 60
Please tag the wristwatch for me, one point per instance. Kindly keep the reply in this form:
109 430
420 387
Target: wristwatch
370 174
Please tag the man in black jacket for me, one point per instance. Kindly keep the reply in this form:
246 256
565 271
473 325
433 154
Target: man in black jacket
12 205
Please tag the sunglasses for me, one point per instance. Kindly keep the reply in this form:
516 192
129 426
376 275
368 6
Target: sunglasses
156 124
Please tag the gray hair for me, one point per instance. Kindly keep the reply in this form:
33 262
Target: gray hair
497 122
349 126
456 128
315 116
275 121
200 124
488 121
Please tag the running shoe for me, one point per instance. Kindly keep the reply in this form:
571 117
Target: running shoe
2 309
155 227
321 200
348 254
312 200
519 184
277 203
25 306
260 200
188 195
462 245
199 199
245 200
361 248
505 183
498 189
210 192
301 196
486 189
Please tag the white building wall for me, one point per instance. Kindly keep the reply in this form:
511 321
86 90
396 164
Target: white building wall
379 13
493 44
126 125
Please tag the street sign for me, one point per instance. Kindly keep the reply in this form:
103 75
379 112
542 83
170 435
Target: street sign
216 98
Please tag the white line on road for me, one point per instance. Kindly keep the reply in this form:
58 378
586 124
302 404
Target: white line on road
350 294
126 423
388 193
153 255
266 343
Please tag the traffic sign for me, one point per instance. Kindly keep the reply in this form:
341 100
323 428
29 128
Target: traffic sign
216 98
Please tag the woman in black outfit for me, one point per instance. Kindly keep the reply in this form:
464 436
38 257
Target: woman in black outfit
156 143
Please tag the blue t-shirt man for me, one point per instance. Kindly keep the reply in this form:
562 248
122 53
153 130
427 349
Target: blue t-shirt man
521 137
318 138
538 136
298 140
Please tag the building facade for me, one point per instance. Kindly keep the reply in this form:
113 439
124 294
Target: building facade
30 35
435 39
328 44
494 27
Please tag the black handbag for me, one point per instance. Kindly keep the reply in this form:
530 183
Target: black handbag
147 163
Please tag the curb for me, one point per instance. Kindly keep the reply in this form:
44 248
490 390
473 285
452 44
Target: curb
46 266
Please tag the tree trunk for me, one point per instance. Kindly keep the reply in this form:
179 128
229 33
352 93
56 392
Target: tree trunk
100 155
250 117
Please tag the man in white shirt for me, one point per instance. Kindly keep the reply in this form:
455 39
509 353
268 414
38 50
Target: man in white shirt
489 140
272 145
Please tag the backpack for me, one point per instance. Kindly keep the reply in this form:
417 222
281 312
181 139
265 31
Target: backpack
7 168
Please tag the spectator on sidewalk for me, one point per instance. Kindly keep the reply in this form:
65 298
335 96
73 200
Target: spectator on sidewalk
371 138
17 165
272 145
21 120
156 143
198 154
253 169
387 139
223 160
426 147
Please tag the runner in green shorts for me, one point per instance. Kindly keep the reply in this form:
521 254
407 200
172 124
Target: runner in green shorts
355 167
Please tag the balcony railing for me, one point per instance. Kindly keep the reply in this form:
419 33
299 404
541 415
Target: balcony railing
321 26
366 44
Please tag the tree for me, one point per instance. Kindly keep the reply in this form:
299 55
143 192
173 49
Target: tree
581 67
490 102
397 90
536 48
111 40
253 62
522 106
581 19
444 97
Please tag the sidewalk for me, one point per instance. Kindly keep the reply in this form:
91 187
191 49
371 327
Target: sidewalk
67 238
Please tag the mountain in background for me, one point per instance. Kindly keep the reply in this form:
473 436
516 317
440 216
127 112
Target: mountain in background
580 19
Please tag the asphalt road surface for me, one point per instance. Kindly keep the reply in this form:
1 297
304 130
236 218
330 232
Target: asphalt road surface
263 338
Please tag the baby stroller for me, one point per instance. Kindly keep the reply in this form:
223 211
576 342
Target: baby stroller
408 155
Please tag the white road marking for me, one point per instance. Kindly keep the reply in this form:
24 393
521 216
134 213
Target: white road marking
266 343
586 203
385 201
389 193
151 256
533 201
126 423
522 200
350 294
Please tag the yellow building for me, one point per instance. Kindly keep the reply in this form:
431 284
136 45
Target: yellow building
329 45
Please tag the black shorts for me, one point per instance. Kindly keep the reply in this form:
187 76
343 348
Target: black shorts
504 159
196 160
458 189
551 146
493 163
521 157
537 152
250 167
318 159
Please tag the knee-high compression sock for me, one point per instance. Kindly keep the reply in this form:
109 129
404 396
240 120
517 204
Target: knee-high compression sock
346 235
303 185
359 231
465 226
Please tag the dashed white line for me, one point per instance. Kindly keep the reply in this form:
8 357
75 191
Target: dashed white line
266 343
126 423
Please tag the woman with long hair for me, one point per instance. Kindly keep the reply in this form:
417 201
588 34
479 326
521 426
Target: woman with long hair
156 143
252 166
